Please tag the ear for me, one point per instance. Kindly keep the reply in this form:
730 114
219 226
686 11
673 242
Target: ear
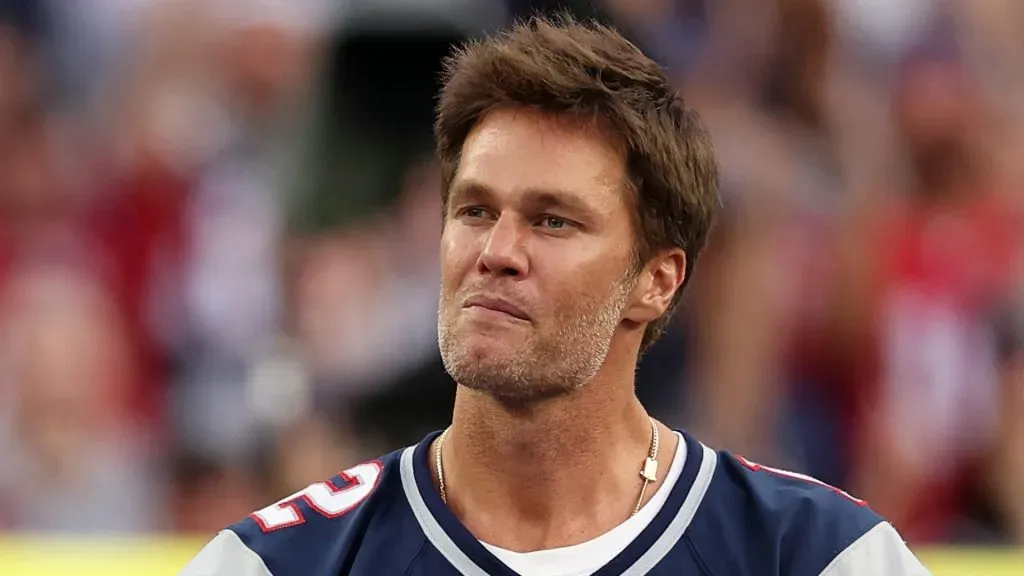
656 285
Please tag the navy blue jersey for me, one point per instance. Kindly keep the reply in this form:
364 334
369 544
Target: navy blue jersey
724 516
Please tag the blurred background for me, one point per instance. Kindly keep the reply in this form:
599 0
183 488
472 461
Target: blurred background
219 223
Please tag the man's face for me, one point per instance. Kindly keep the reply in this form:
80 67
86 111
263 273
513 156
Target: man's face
536 256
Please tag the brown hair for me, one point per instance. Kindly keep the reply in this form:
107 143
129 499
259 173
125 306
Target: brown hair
590 72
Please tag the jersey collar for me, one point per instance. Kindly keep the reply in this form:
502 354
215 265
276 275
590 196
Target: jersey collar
448 535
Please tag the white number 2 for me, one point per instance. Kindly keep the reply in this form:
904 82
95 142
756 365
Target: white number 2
326 498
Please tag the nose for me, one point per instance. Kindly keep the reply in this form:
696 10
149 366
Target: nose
504 254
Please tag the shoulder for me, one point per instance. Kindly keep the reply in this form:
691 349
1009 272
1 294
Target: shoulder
226 554
797 501
304 532
880 551
798 523
334 499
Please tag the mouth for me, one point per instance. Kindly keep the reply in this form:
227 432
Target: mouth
497 306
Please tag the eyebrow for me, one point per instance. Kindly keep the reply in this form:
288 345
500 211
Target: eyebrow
534 198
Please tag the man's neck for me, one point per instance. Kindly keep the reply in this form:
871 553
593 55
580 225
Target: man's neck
553 474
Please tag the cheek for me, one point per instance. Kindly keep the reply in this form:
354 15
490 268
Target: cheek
559 280
572 286
457 258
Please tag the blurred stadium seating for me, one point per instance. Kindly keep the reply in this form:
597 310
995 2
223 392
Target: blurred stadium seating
218 231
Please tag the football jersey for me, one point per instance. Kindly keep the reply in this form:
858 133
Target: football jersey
723 516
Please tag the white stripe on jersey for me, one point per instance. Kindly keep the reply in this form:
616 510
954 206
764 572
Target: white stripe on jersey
879 552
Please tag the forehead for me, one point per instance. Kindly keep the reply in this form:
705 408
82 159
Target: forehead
515 150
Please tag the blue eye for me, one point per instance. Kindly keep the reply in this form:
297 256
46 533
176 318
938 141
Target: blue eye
474 212
554 222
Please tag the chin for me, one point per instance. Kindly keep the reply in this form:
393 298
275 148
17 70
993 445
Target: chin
484 341
492 344
487 359
506 374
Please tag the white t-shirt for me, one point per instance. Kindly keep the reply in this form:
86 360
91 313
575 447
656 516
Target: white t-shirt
586 558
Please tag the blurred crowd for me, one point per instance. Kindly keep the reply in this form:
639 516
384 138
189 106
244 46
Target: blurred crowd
219 223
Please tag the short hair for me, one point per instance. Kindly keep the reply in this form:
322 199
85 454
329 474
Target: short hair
589 71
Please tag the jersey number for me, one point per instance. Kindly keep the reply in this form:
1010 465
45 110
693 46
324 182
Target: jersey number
787 474
325 497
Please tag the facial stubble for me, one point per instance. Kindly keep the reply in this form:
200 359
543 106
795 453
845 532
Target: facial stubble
548 363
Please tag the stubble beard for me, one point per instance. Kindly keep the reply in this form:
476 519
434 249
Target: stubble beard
545 365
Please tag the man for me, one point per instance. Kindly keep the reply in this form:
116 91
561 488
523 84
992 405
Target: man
578 191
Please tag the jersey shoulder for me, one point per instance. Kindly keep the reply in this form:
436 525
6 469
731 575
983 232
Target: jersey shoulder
786 492
319 529
776 517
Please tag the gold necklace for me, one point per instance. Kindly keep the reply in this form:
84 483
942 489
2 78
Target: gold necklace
649 471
